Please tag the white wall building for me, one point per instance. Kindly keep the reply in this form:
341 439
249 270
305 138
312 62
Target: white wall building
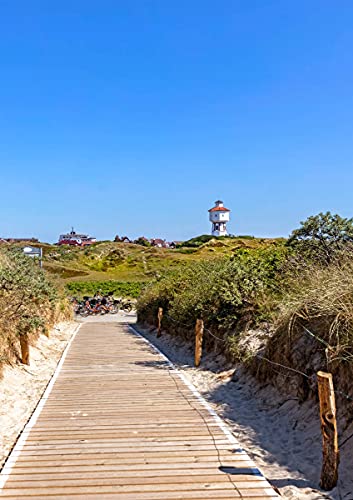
219 216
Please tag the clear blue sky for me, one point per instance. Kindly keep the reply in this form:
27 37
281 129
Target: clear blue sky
133 116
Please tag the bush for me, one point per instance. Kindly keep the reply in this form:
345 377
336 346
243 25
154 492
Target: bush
227 293
197 241
28 300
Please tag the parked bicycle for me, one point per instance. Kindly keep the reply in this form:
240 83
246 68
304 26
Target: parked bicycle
101 304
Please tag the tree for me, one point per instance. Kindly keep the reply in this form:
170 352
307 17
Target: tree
143 241
323 236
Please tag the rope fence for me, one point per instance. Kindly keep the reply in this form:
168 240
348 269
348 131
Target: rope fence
263 358
326 391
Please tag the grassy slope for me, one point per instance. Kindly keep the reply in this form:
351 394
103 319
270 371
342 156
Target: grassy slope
130 262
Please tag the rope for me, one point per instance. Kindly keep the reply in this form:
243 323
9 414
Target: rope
324 342
274 363
165 315
283 366
310 377
345 441
214 336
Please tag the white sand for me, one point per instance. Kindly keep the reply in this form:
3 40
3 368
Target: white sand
282 436
22 386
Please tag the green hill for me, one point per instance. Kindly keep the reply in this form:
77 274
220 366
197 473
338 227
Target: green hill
84 269
135 263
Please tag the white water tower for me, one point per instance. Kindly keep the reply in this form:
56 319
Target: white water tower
219 216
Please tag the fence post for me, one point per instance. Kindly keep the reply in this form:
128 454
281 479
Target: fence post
330 451
198 341
159 317
24 349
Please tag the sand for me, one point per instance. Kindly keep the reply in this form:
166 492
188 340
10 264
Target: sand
282 436
22 386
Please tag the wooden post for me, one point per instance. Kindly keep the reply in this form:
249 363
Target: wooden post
24 349
198 341
330 451
159 317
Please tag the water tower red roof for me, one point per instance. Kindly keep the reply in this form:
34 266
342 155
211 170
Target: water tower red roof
219 209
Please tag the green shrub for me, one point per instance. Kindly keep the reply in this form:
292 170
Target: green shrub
197 241
224 292
28 300
187 250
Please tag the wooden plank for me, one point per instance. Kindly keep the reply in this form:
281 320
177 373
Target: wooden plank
121 424
109 465
186 495
158 491
136 476
161 481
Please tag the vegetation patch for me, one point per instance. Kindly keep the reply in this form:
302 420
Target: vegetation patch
227 293
283 308
199 240
29 302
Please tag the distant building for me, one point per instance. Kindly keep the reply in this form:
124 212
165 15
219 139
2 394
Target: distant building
153 242
219 216
159 243
147 242
75 239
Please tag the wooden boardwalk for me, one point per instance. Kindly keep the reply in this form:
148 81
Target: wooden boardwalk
121 423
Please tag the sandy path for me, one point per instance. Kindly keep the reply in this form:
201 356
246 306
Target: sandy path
22 386
280 435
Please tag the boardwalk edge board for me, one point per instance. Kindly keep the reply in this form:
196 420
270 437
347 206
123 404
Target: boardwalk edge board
220 423
15 452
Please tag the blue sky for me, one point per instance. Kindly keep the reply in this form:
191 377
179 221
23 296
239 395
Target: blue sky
132 117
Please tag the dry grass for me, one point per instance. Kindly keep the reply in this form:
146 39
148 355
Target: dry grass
321 297
313 331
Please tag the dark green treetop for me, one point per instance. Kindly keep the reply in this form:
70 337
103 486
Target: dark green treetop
323 237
